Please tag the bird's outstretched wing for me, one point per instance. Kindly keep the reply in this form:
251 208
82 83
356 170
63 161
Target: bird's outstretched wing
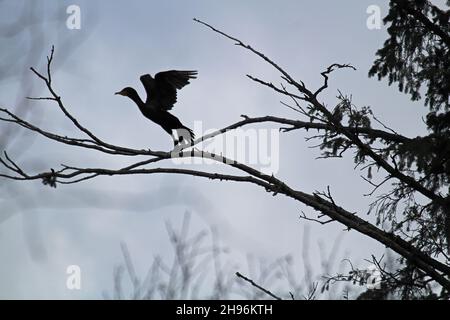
162 90
149 85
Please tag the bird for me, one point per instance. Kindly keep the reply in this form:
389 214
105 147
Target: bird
161 96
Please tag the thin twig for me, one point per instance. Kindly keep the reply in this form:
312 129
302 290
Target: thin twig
239 275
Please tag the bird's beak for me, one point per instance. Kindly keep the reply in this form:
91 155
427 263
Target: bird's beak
118 92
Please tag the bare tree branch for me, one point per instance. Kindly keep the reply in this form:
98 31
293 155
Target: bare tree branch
329 70
257 286
332 120
322 202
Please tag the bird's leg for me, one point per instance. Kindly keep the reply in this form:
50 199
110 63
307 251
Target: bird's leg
185 136
176 139
177 146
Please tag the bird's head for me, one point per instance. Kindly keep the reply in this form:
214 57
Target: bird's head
127 92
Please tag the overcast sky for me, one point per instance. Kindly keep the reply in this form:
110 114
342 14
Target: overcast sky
43 230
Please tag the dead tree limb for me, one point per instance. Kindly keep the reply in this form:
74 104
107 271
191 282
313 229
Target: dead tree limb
331 123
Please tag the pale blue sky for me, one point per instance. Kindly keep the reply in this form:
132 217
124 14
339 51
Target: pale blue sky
43 230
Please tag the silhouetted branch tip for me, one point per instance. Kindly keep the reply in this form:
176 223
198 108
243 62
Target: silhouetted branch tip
239 275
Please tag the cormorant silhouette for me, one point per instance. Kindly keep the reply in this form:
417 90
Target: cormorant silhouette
161 96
